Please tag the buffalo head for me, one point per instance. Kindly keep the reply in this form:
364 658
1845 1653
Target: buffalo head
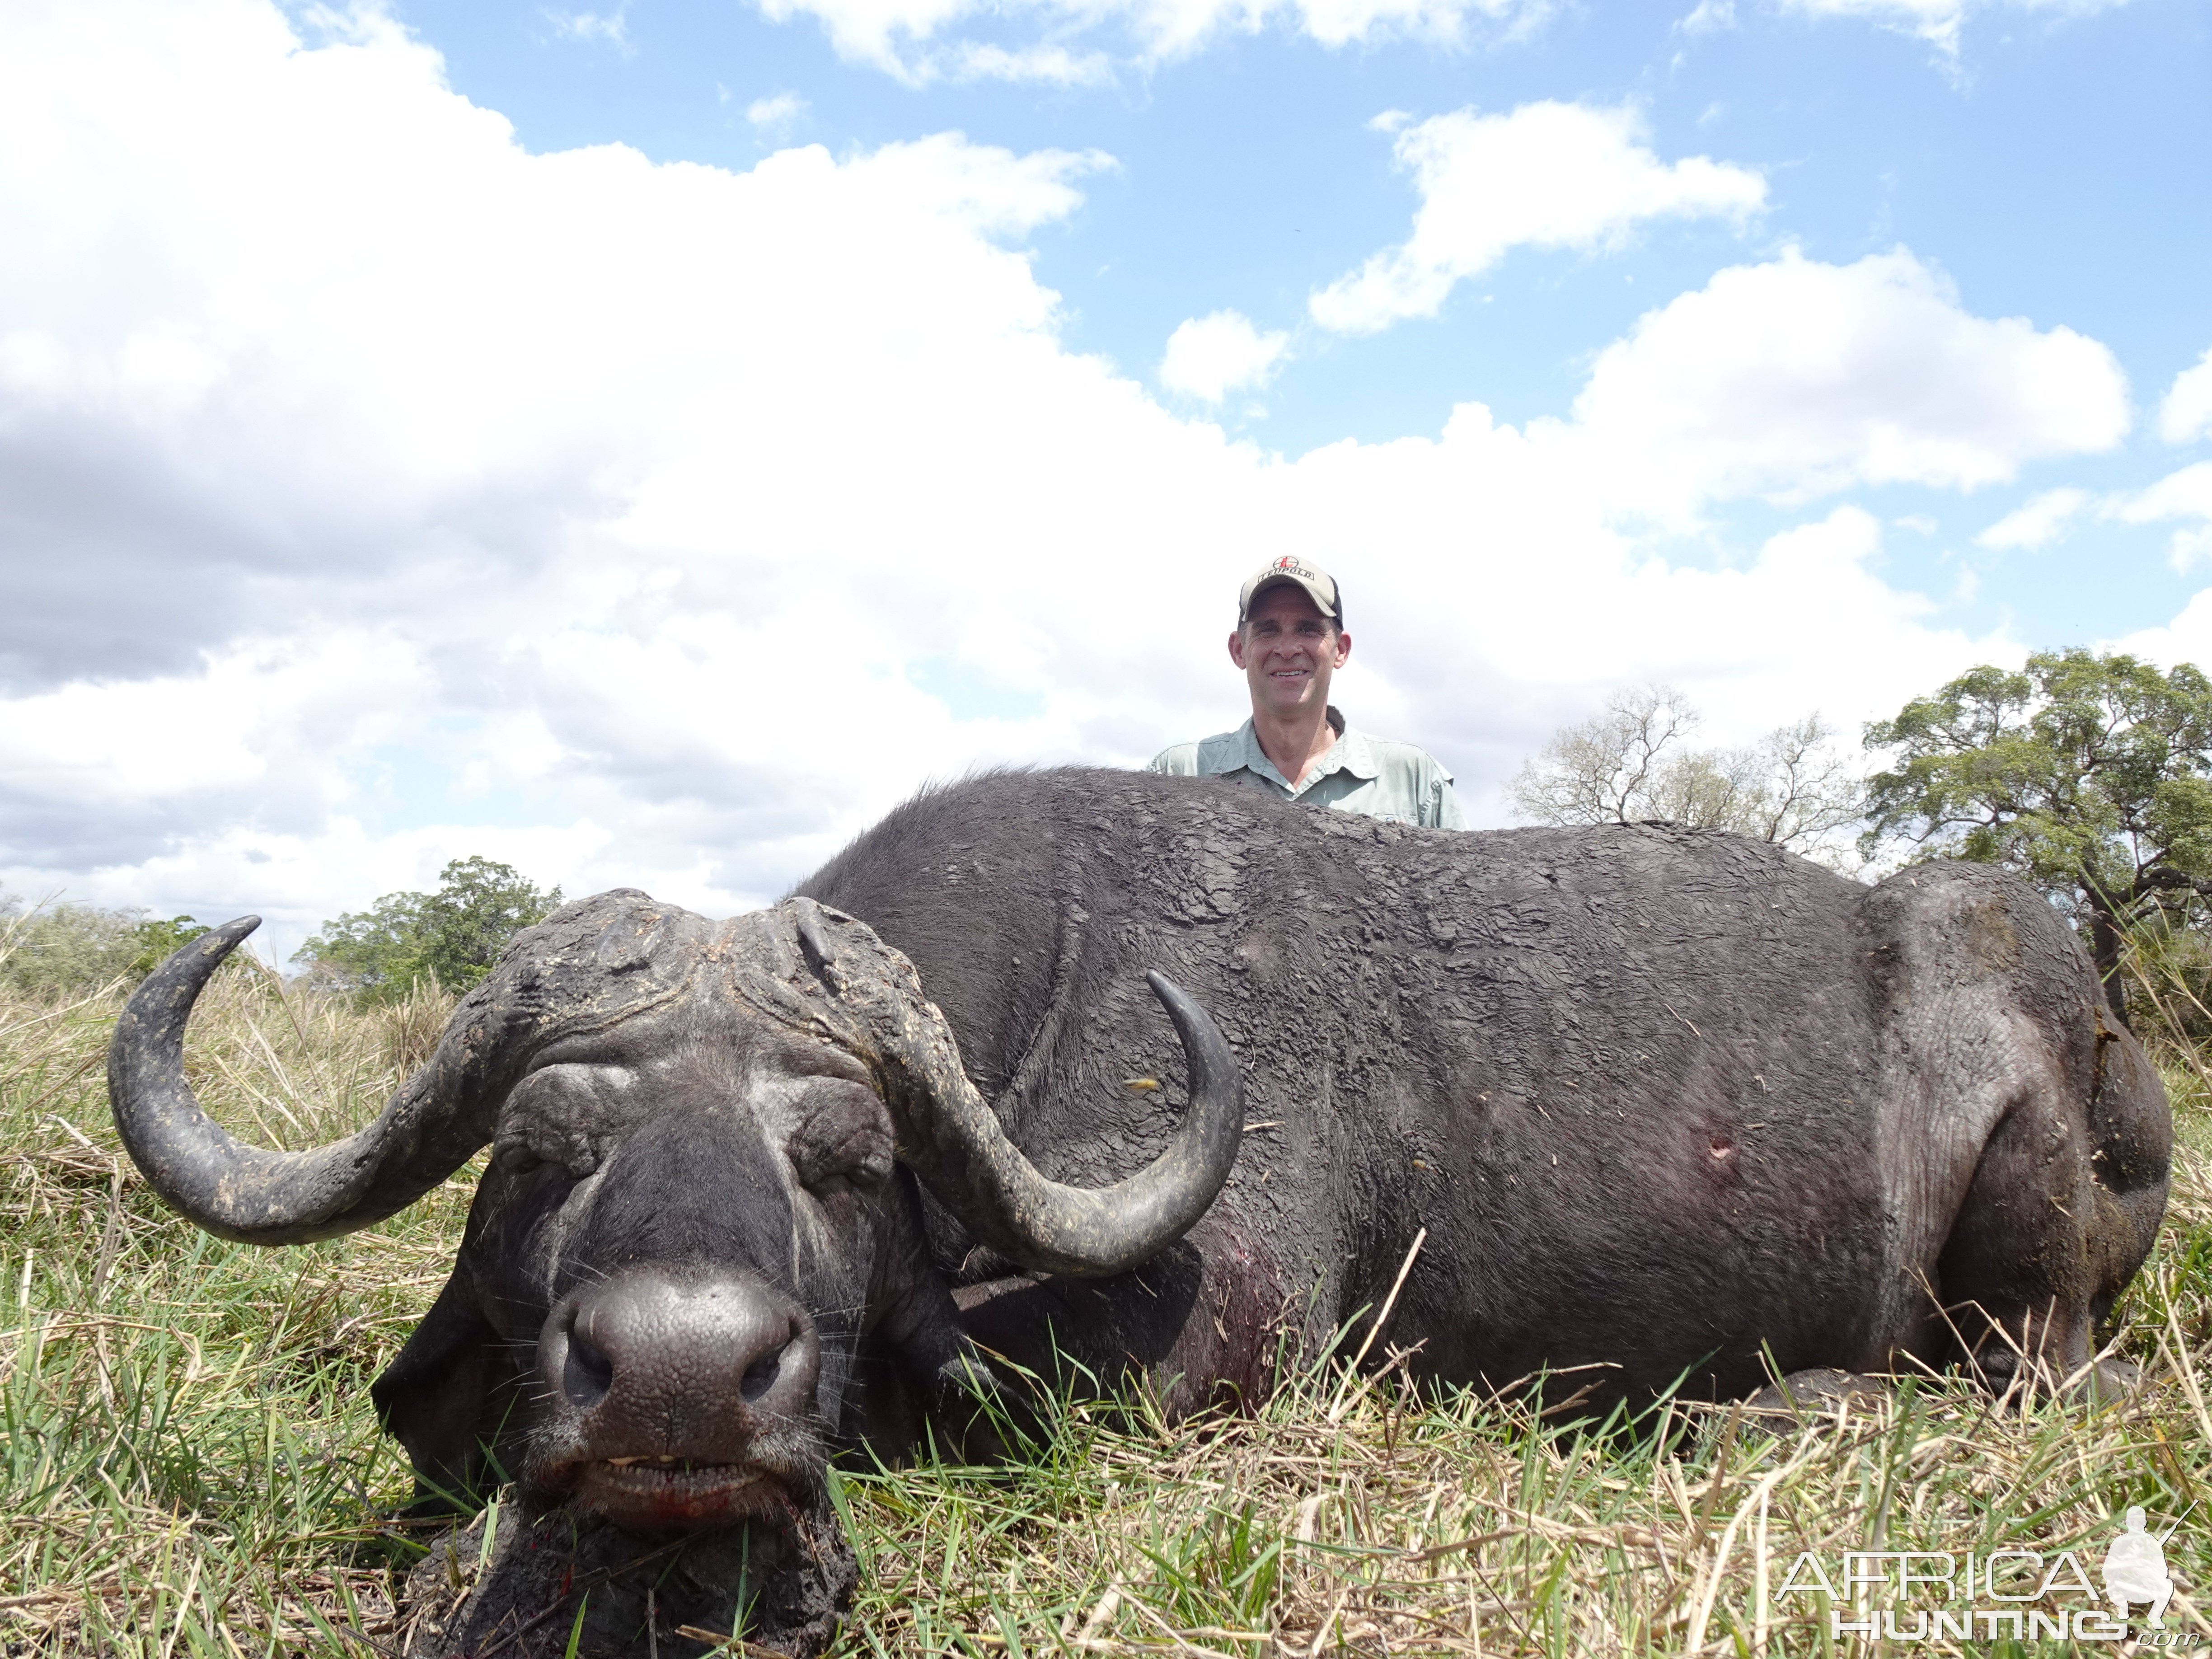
699 1225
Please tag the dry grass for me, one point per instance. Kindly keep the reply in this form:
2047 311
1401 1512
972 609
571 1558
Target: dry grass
189 1465
189 1462
1463 1527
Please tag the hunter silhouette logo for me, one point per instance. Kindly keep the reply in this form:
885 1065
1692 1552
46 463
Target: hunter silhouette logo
2134 1569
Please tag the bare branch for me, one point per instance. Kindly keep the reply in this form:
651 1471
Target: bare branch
1794 788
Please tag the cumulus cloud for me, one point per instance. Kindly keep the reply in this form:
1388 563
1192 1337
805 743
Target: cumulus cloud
2038 522
377 492
1209 357
2187 638
382 376
917 40
2185 496
2185 413
989 192
1795 378
1548 175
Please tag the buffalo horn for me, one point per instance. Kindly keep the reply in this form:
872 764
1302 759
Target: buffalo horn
250 1193
953 1141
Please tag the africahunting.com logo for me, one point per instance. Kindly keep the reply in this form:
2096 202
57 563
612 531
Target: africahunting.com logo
2023 1594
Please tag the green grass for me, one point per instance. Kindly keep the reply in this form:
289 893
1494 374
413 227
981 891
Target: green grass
189 1464
190 1460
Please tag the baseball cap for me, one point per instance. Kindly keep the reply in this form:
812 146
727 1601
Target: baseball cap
1319 585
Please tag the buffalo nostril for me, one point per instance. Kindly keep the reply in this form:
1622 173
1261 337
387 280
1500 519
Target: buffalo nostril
587 1375
760 1376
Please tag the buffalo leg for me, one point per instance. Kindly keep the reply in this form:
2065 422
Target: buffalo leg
1198 1323
2014 1275
2062 1209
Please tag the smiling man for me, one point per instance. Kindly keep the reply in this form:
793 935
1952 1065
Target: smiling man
1290 640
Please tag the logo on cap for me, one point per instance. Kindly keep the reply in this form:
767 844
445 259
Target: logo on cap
1319 586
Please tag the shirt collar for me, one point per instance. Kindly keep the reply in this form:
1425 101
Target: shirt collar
1349 753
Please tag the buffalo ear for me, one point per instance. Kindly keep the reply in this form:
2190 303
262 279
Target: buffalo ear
447 1398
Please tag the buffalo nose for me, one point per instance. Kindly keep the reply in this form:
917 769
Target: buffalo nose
666 1363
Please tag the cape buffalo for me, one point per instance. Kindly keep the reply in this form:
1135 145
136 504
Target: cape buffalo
1666 1101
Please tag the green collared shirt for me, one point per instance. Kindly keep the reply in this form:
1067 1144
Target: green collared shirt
1394 782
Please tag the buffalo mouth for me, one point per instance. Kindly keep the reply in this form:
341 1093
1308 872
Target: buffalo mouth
676 1494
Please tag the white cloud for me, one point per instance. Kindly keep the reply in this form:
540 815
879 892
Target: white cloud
1047 65
612 28
1209 357
776 111
2187 638
1549 175
2185 413
989 192
2186 494
378 492
1709 16
2038 522
1939 22
903 37
1795 378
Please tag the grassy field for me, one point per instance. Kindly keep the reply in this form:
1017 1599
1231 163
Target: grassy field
192 1467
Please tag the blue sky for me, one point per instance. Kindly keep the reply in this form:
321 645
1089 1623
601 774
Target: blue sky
644 443
2055 165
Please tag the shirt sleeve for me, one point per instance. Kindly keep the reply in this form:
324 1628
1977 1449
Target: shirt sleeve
1443 810
1177 760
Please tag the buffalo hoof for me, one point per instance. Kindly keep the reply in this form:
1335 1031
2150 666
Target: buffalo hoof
2110 1382
1802 1396
2105 1382
784 1585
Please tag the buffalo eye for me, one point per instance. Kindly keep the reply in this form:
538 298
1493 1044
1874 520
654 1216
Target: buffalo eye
562 1116
530 1147
516 1157
842 1142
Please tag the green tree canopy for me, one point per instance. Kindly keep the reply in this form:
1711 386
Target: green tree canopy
2088 773
157 940
453 936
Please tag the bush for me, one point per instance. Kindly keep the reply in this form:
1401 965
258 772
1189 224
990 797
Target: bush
68 950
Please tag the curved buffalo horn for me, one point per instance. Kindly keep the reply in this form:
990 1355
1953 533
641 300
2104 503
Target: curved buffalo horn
585 967
248 1192
953 1141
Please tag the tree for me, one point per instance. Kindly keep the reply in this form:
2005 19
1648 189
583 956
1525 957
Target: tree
2088 773
157 940
1633 763
453 936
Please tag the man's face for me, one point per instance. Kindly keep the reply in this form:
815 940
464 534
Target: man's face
1288 650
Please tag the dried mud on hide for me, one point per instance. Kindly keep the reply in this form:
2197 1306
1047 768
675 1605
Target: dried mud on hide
782 1585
